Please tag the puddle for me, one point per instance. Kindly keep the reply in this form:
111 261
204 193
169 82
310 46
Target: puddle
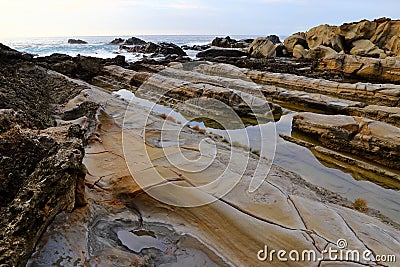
136 241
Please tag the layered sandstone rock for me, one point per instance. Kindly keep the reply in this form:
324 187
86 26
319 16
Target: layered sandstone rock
296 39
386 70
262 48
325 35
366 48
375 141
184 85
379 94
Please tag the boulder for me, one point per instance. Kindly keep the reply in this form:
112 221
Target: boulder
219 52
393 45
371 140
299 51
321 51
385 30
274 39
296 39
160 49
351 32
372 69
117 41
171 49
262 47
325 35
281 50
366 48
82 67
134 41
76 41
226 42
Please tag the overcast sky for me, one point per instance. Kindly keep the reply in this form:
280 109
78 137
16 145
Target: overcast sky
26 18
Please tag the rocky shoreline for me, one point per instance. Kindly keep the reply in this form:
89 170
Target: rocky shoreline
71 150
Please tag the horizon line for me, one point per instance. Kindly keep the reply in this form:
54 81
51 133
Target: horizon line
147 34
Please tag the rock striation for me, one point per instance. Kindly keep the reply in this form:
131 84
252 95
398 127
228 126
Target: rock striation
372 140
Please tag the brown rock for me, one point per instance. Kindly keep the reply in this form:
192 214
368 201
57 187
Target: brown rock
325 35
262 48
355 31
372 69
321 51
299 51
366 48
296 39
371 140
393 45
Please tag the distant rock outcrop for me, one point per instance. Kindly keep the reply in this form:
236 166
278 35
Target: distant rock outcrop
134 41
76 41
228 42
117 41
160 49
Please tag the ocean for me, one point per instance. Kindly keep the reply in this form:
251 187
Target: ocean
98 46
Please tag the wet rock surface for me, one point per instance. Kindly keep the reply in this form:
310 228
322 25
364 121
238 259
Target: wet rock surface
119 213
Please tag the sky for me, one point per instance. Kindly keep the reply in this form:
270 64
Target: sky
50 18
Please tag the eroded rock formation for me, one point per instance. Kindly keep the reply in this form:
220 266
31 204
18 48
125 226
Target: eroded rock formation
372 140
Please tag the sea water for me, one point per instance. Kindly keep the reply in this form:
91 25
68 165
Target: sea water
98 46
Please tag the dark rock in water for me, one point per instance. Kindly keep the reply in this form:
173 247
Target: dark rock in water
117 41
274 39
163 48
76 41
195 47
134 41
226 42
171 49
215 52
150 48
